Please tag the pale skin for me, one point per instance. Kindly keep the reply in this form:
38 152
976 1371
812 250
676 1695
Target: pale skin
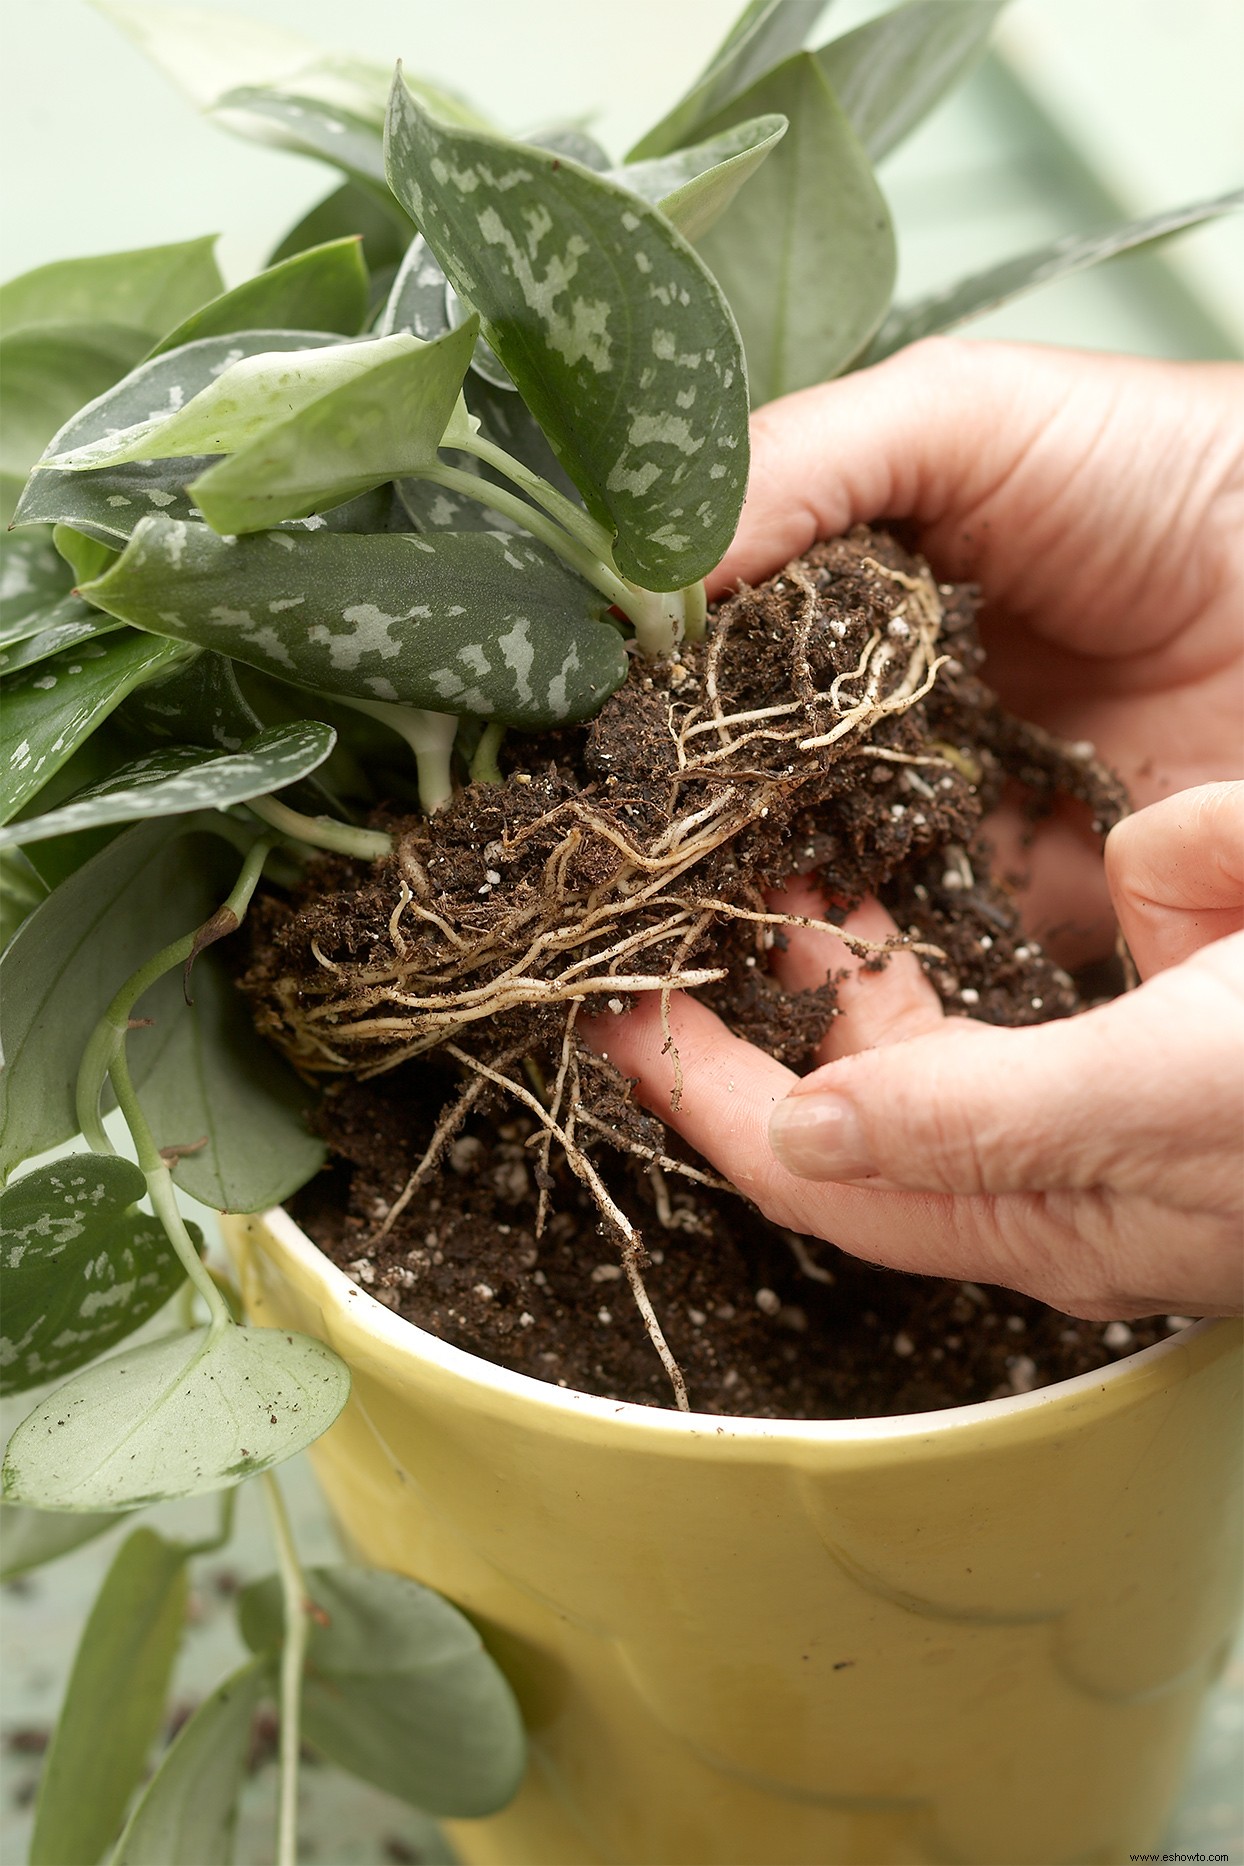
1096 1162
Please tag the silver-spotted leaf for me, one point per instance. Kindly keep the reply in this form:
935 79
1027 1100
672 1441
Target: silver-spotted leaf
808 266
323 288
385 420
80 1268
62 625
188 1810
31 1538
33 577
889 73
310 126
997 285
148 289
416 301
464 622
174 1418
399 1690
246 397
616 335
107 504
765 33
114 1703
177 779
157 388
52 707
47 372
693 187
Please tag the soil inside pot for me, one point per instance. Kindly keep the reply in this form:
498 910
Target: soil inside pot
493 1181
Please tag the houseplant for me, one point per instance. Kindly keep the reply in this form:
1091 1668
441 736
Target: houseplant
212 689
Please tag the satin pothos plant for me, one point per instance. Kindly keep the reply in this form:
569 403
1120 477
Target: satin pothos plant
457 460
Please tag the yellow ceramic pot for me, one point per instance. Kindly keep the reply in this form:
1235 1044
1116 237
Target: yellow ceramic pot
979 1635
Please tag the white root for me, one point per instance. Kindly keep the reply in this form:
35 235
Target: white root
581 1166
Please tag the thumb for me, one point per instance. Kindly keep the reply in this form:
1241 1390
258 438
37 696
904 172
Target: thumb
1135 1096
1176 873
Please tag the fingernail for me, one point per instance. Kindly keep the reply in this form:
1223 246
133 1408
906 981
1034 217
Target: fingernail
819 1137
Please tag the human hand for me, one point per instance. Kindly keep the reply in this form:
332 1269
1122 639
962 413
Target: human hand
1099 502
1093 1162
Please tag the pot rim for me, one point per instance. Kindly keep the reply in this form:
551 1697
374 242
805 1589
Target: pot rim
405 1337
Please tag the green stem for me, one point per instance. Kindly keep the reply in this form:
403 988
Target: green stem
580 556
430 737
323 832
224 1530
105 1059
660 617
293 1657
484 766
163 1194
695 611
571 517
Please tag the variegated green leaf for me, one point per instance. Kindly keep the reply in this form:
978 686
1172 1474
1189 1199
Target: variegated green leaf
694 187
188 1810
62 625
464 622
156 389
422 301
889 73
808 266
308 126
324 288
199 703
248 397
145 290
384 420
997 285
416 301
174 1418
766 32
33 576
51 708
615 333
106 504
80 1267
48 372
114 1704
180 778
399 1689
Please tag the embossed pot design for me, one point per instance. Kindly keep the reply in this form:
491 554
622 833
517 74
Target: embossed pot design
979 1635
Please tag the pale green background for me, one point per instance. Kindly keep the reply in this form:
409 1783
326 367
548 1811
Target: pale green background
1093 108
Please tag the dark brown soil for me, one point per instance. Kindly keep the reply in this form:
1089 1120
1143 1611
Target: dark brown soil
374 970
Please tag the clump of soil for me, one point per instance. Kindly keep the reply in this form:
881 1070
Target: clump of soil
492 1179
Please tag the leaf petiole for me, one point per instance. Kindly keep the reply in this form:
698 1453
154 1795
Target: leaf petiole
104 1059
323 832
293 1656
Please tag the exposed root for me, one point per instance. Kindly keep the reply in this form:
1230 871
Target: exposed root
632 1249
611 907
